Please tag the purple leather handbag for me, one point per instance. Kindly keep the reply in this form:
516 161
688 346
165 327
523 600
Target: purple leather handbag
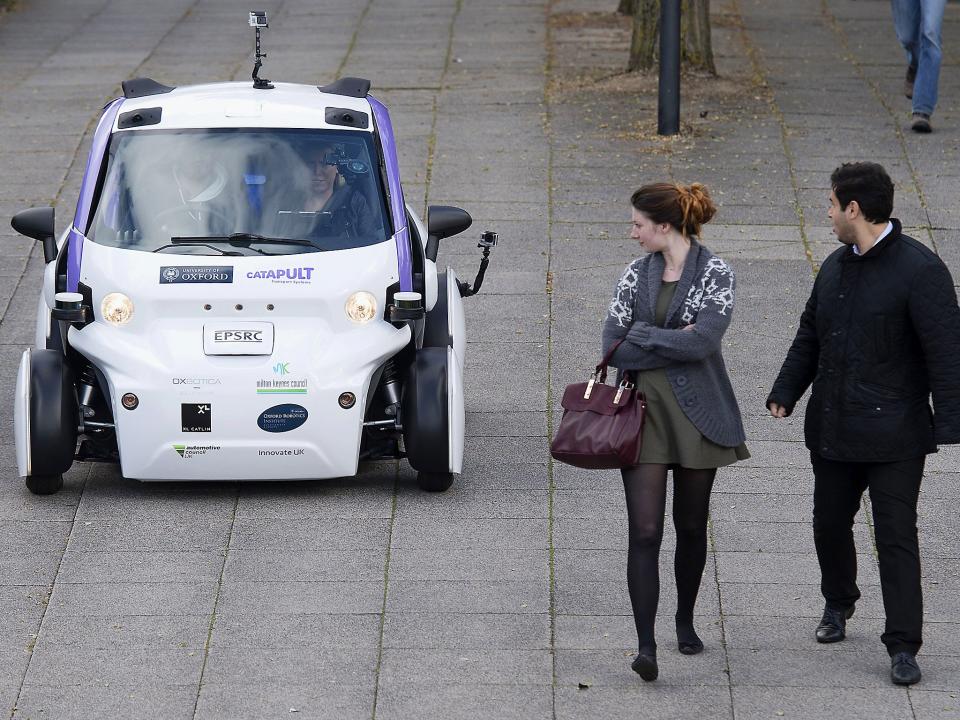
602 424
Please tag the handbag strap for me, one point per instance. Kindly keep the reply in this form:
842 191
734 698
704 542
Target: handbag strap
601 369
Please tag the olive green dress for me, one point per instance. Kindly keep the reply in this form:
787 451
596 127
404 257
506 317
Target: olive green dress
669 437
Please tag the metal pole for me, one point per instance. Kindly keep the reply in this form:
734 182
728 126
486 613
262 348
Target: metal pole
668 106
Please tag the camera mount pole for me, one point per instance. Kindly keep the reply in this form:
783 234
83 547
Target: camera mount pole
258 82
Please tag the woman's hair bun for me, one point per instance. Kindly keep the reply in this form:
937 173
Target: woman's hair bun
696 207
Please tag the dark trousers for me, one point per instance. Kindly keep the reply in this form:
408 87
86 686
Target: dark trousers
894 489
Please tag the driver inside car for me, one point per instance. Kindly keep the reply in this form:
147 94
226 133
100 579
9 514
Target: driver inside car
333 207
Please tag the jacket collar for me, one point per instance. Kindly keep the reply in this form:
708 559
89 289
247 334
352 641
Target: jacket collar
877 250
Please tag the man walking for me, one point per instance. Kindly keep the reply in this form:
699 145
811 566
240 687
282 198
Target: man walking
918 24
879 334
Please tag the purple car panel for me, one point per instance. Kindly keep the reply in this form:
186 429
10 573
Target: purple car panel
397 210
101 137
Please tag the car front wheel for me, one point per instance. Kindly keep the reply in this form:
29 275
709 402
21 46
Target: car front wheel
434 481
44 484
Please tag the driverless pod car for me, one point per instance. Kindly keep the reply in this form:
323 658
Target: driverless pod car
243 294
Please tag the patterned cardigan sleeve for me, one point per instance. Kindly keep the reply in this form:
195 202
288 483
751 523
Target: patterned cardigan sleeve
618 322
708 306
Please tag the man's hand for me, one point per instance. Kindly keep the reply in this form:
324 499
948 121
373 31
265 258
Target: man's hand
688 327
778 411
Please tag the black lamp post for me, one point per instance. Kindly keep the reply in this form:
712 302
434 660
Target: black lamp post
668 106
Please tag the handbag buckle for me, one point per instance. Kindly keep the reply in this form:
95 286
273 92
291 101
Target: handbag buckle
590 384
624 385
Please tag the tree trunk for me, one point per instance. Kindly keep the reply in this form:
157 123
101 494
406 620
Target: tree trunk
696 51
627 7
646 31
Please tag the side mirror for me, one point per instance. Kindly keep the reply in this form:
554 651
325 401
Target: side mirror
37 223
444 221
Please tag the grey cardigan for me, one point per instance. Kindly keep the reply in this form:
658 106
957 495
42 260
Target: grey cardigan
691 358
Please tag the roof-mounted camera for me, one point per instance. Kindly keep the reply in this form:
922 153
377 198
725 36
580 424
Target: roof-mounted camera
258 20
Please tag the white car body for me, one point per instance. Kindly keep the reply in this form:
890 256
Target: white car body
166 354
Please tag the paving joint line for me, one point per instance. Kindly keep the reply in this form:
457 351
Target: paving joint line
216 602
432 137
386 586
49 594
353 40
760 80
723 624
898 131
548 70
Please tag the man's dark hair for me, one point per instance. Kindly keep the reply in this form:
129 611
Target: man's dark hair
868 184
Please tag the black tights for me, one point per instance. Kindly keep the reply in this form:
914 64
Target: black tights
646 490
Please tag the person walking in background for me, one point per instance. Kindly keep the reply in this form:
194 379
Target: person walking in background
669 313
880 332
918 24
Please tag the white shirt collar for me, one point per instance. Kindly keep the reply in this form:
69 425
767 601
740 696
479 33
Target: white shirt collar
886 231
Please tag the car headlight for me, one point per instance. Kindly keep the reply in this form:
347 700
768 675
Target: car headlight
361 307
116 308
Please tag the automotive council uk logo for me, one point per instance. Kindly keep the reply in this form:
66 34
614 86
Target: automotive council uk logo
196 274
191 451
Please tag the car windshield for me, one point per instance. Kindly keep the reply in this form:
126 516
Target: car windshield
240 192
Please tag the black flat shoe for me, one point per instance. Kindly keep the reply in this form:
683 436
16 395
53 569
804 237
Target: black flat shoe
904 669
833 624
688 642
645 665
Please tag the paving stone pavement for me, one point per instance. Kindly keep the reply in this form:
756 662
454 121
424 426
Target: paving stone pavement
504 597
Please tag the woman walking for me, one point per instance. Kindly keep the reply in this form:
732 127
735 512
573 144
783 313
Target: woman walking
670 310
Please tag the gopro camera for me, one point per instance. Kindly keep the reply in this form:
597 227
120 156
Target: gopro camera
488 239
258 19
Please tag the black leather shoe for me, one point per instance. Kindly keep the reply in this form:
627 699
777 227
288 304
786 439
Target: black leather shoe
833 624
645 665
904 669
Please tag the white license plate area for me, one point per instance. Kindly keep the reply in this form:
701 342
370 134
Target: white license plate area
238 338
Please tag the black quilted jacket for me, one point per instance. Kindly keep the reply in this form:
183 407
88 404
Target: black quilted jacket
879 334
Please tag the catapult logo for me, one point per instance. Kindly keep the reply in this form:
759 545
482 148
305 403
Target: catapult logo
284 276
196 274
192 451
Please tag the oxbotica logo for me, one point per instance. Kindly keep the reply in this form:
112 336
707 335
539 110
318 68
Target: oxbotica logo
191 451
285 276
